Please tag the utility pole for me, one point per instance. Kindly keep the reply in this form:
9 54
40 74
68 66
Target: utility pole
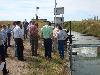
70 48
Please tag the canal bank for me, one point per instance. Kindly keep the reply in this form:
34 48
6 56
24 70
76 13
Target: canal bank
87 27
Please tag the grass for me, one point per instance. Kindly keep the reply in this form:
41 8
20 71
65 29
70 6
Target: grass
86 27
36 65
40 66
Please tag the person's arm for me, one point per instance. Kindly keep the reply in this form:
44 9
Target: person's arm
2 65
65 35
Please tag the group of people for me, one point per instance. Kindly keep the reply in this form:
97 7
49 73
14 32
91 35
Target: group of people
53 39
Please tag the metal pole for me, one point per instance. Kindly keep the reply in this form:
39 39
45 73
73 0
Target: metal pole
62 21
55 13
70 28
70 49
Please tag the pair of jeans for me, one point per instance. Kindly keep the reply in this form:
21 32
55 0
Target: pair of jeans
61 48
9 38
48 47
15 48
25 34
5 47
34 45
19 48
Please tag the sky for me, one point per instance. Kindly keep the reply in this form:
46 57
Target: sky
26 9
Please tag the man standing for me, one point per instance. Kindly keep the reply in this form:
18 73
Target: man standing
18 36
4 37
25 25
9 35
61 36
46 33
2 52
33 33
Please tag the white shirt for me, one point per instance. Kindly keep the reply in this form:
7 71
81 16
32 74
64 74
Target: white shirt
18 32
62 35
55 31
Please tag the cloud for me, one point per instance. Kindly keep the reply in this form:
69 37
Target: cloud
73 9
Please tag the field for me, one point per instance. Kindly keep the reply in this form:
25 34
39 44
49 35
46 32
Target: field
6 22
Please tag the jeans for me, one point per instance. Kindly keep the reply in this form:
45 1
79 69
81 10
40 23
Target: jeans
2 53
34 45
48 47
61 48
25 34
9 38
5 47
15 48
19 48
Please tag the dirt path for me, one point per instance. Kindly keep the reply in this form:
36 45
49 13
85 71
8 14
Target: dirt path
35 65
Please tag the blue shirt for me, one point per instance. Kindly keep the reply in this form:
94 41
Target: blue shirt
4 35
9 30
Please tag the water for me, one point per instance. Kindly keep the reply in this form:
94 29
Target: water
81 39
87 62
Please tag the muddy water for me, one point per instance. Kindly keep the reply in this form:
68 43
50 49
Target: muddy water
87 60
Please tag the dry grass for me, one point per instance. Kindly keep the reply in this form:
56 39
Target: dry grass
36 65
86 27
6 22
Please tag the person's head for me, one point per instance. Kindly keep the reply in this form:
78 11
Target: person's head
30 22
46 23
4 26
18 23
8 25
49 24
36 24
59 27
33 22
14 23
21 26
